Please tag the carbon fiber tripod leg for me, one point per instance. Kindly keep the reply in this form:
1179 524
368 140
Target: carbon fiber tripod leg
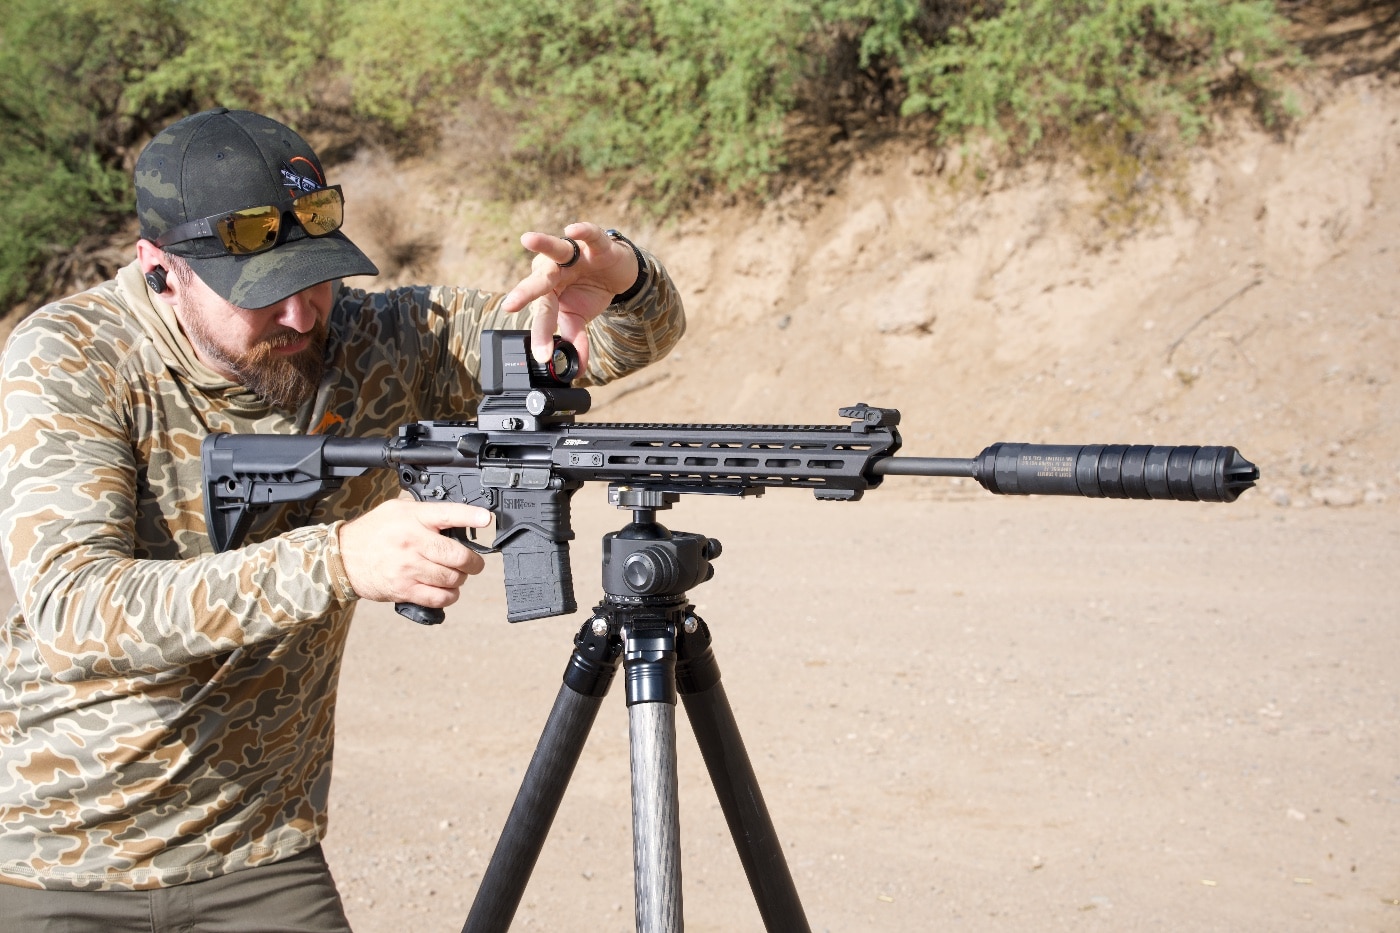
649 661
656 845
561 743
731 773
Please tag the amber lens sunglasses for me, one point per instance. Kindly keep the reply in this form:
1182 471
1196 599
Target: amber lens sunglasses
255 229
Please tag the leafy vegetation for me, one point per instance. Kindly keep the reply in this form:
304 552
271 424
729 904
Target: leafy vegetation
63 70
681 97
1048 66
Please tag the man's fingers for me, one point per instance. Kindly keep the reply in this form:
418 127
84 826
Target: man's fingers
445 557
447 561
440 516
571 282
443 576
564 251
397 551
545 278
575 331
542 327
430 597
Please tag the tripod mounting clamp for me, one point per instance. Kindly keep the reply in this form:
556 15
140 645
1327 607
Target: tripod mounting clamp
641 497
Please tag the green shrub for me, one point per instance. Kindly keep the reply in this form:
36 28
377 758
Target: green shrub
682 95
679 94
243 55
405 71
677 97
64 68
1046 67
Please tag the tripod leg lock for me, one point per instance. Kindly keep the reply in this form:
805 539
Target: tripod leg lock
594 661
696 667
649 664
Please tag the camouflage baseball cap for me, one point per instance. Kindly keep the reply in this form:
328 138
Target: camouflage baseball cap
228 160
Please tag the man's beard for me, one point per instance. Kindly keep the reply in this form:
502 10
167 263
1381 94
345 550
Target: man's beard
281 381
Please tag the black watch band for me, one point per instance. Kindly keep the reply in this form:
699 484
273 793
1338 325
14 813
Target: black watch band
641 282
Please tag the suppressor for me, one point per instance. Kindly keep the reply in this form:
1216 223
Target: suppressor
1113 471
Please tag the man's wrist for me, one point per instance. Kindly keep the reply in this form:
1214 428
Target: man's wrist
642 272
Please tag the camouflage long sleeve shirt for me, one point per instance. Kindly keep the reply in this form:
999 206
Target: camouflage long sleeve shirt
166 712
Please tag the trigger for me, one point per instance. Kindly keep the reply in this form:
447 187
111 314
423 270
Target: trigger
470 541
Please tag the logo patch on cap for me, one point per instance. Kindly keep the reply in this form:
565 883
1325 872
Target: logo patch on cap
298 183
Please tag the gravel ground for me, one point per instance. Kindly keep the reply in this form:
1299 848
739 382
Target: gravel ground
965 712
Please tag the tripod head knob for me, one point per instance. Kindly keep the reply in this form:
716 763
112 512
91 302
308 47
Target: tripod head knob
641 497
653 569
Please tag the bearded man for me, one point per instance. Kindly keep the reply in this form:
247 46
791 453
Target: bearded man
166 712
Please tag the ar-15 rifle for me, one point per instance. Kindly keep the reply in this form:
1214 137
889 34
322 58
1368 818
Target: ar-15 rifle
525 455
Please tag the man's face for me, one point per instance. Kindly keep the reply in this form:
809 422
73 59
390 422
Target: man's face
278 352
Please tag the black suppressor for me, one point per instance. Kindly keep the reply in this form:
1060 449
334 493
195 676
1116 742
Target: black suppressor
1116 471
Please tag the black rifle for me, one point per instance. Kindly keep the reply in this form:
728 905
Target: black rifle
525 455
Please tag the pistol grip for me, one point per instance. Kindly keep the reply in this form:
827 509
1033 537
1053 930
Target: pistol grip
420 614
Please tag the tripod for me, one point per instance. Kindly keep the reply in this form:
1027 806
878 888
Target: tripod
646 621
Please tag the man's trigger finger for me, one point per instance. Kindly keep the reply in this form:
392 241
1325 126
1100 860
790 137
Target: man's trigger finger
576 333
457 515
542 328
477 517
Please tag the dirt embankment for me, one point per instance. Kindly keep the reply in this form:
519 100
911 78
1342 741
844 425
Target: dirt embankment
1258 309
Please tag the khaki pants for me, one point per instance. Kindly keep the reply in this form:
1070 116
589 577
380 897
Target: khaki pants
296 895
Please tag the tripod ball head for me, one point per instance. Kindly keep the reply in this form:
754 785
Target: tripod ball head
665 565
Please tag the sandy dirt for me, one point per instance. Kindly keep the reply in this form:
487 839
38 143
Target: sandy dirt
991 715
981 714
